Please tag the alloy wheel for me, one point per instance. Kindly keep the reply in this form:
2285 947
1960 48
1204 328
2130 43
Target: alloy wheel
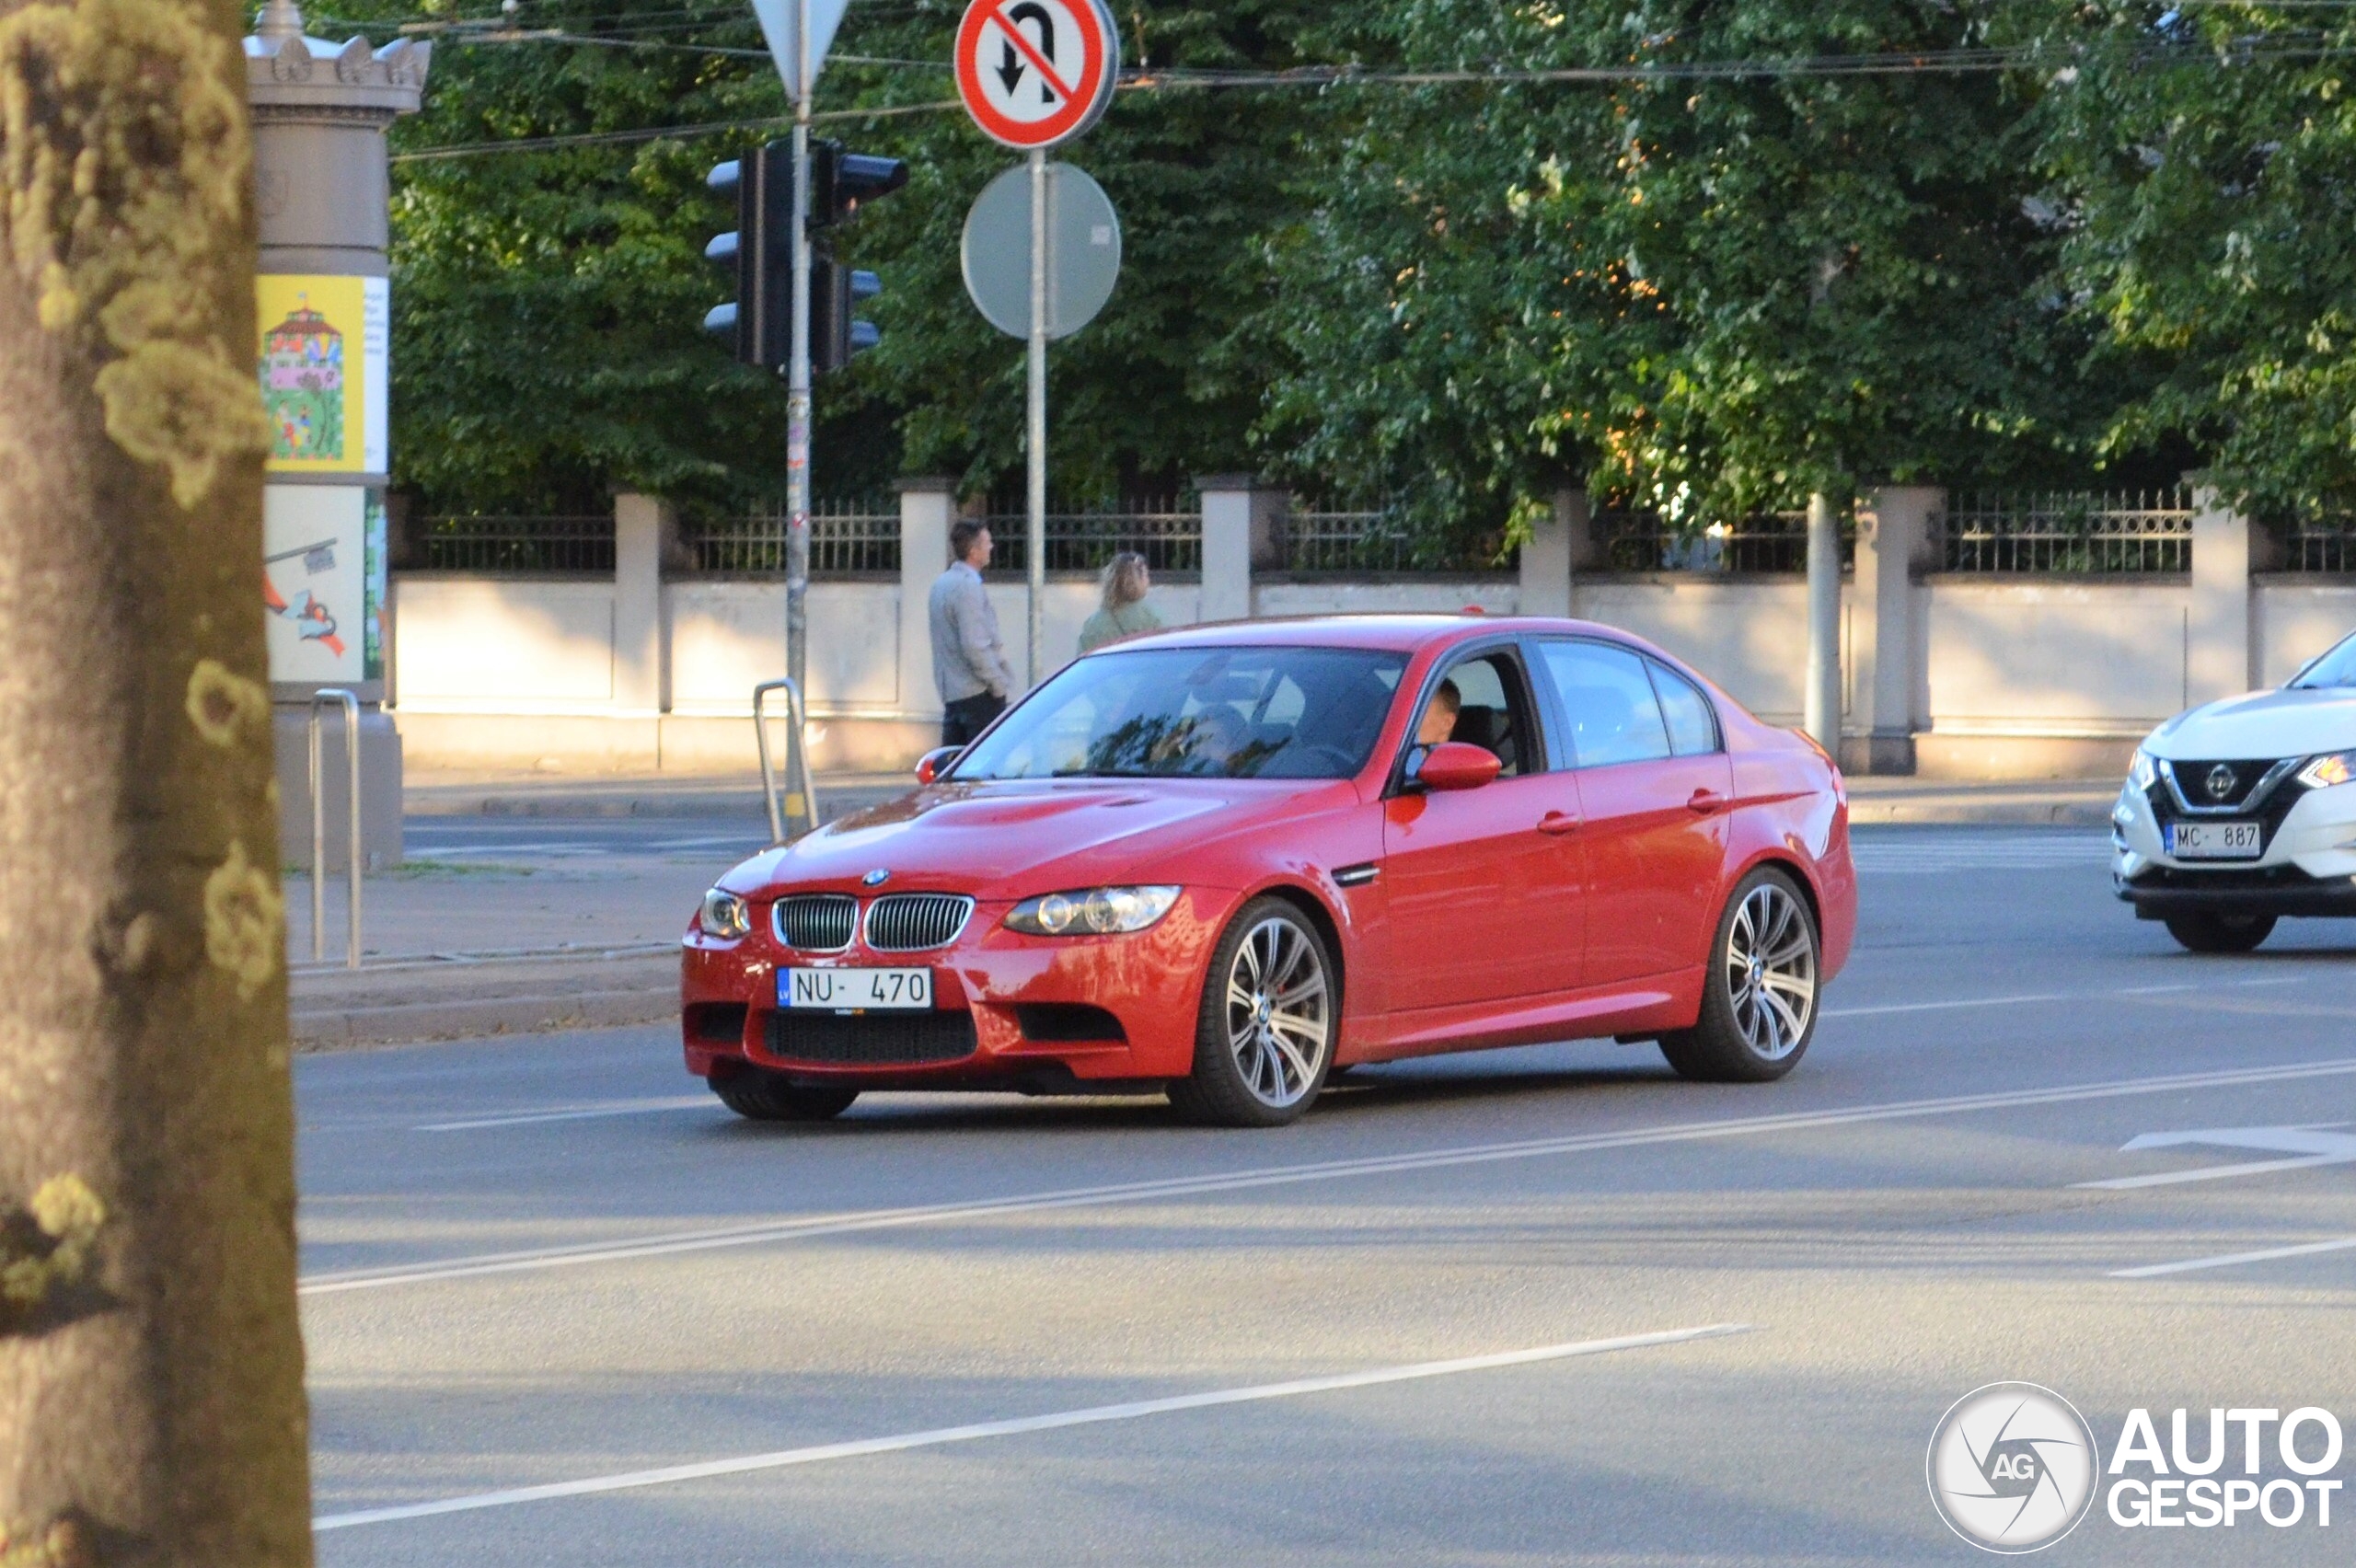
1278 1012
1771 972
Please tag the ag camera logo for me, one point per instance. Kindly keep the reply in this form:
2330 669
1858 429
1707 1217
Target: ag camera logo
2013 1467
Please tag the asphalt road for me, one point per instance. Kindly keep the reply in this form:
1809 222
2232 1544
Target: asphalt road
532 1262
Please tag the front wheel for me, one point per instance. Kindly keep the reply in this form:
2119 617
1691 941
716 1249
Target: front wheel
769 1097
1759 990
2220 933
1264 1039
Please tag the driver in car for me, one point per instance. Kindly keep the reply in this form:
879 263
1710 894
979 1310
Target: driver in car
1439 716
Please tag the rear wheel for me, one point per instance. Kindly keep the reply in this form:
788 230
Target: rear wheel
770 1097
2220 933
1759 990
1264 1039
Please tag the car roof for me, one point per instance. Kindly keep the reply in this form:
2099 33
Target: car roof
1405 632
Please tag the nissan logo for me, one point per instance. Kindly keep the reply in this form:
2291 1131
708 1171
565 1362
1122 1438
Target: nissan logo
2219 782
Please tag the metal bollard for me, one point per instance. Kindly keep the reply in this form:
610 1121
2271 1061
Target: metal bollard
351 706
808 795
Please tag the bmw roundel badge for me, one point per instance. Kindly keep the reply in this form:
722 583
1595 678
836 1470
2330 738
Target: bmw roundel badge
876 878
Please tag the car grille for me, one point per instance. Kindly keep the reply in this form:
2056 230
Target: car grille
2268 804
886 1038
2245 779
816 922
910 922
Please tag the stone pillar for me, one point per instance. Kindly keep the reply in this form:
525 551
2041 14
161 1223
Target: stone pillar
320 113
1557 548
643 527
1243 527
1894 543
2217 635
927 505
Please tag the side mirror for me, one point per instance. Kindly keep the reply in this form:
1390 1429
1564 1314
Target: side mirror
934 762
1454 765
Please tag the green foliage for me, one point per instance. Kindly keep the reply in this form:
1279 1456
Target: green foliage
2204 171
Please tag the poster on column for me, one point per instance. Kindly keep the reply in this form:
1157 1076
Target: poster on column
316 565
324 361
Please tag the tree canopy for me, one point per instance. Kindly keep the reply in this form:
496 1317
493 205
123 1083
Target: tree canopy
1762 248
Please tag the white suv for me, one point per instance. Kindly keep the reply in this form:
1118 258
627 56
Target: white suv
2241 812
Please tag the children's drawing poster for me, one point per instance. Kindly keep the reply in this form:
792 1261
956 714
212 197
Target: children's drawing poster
324 362
315 564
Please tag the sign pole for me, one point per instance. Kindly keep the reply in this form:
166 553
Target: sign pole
797 383
1036 441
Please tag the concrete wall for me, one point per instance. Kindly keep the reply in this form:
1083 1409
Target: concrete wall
1964 675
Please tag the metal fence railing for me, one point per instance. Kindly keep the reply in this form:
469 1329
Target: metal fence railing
2324 544
1316 540
516 544
1168 534
1635 540
847 539
2080 534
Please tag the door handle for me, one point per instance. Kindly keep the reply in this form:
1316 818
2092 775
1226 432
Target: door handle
1701 802
1558 823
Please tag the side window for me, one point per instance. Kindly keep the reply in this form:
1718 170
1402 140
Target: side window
1608 699
1490 711
1692 723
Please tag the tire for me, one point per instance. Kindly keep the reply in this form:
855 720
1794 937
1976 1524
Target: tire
1264 1036
1758 1008
767 1097
2220 933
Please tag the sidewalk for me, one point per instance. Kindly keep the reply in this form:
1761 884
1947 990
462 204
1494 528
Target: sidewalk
1882 802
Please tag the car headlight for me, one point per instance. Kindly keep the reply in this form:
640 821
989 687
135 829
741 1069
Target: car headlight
2332 767
2143 773
1092 912
725 915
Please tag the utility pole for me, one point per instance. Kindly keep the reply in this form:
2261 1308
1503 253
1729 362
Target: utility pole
1035 440
797 382
1822 695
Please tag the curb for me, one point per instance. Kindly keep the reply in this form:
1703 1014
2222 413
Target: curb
343 1029
1975 813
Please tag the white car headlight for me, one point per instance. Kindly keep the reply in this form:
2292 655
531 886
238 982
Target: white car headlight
1092 912
2332 767
2143 773
725 915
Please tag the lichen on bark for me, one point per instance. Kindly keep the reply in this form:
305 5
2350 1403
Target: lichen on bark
245 921
224 706
123 154
45 1247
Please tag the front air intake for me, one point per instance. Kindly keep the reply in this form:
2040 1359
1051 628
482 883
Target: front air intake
911 922
816 922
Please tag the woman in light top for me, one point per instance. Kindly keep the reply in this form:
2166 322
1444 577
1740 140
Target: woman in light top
1123 613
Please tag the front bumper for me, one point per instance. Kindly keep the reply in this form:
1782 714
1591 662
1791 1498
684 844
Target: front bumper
1010 1011
2307 865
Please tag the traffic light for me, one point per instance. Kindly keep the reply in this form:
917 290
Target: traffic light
839 182
759 320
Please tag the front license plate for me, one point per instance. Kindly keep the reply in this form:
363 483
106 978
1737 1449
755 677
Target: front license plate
2216 840
855 990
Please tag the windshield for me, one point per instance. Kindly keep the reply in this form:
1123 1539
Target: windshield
2337 668
1197 713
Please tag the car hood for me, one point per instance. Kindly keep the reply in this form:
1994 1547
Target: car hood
1012 839
2284 722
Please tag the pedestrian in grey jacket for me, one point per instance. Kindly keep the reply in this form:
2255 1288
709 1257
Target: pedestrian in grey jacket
968 656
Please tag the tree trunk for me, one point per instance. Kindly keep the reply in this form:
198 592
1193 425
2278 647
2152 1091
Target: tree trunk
151 1395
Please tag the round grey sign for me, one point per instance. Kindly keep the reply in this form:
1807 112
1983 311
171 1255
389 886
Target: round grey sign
1084 250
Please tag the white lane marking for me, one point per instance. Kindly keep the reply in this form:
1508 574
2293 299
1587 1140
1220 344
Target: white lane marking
588 1114
1091 1416
2056 996
665 1243
2309 1145
2227 1260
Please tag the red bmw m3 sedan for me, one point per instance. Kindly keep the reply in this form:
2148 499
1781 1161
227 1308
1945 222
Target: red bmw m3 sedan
1225 862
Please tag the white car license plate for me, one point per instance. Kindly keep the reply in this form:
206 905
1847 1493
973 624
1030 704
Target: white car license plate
2216 840
855 990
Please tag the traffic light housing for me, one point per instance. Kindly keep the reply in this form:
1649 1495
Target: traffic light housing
759 320
839 182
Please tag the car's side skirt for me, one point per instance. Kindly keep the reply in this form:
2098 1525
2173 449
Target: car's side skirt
1638 1006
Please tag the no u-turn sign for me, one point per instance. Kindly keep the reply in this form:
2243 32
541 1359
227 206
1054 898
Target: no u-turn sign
1035 73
